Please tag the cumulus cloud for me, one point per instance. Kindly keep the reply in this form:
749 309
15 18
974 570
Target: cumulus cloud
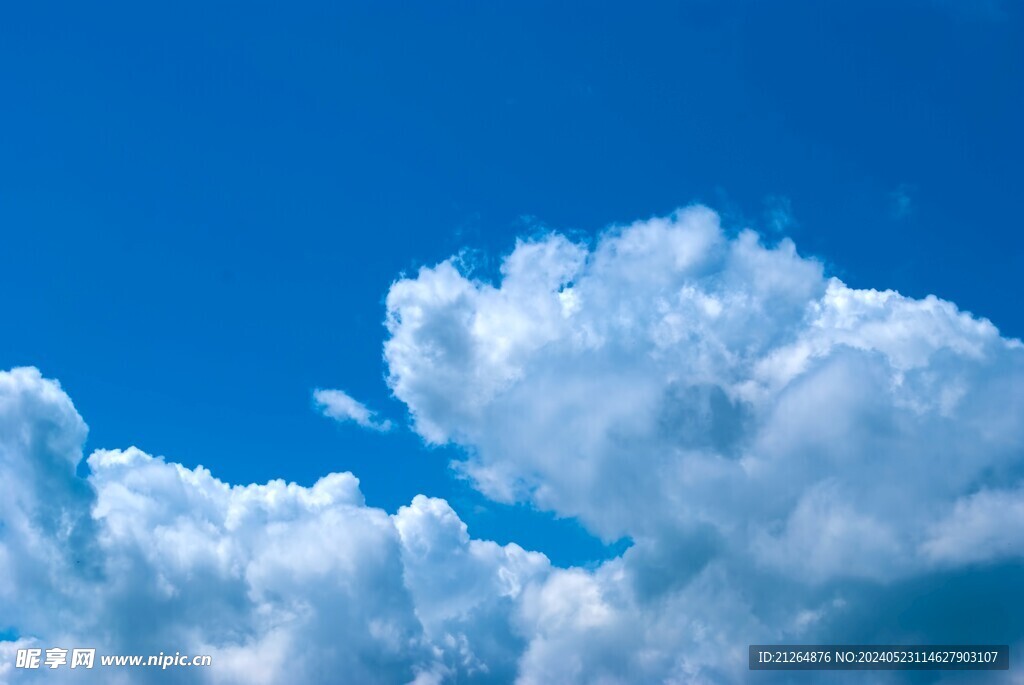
670 371
340 406
277 582
748 421
793 459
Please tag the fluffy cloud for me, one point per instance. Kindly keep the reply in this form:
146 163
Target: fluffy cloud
340 406
749 422
672 378
278 583
793 459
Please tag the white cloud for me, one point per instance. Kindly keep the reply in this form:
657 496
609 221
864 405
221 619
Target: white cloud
791 457
277 582
340 406
749 422
466 591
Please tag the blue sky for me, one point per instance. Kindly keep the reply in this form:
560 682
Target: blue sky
203 206
208 211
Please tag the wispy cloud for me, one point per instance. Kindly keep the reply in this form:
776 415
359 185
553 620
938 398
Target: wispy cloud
340 406
901 202
778 213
